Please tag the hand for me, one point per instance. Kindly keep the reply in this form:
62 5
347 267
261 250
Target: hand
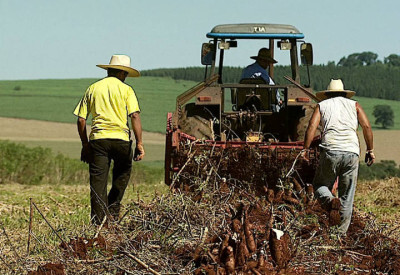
369 158
86 153
305 154
139 152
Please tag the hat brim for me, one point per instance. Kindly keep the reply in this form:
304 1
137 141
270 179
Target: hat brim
131 71
271 60
322 95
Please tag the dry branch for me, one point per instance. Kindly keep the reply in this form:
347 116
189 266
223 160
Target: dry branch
30 225
48 223
148 268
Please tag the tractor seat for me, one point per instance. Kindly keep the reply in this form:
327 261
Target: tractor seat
250 98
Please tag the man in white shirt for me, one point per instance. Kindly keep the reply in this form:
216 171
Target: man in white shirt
340 149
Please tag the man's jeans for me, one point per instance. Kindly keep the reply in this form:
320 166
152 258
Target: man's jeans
335 164
105 150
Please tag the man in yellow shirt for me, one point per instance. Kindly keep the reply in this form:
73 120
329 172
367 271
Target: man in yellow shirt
110 102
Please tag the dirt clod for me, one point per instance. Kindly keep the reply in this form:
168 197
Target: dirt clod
49 269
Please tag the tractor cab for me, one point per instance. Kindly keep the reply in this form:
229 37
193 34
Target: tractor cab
247 109
285 37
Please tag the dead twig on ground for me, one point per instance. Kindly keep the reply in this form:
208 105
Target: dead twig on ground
141 263
30 225
191 155
100 227
52 228
96 261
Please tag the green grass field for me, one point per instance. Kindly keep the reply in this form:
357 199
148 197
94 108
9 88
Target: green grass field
54 100
368 106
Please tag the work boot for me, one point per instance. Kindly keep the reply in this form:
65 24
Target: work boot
334 214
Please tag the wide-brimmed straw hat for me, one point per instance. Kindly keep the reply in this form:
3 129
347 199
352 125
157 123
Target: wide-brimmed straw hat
335 86
264 54
121 62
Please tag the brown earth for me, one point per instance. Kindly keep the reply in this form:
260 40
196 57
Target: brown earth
387 145
15 129
63 137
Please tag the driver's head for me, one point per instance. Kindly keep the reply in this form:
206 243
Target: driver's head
264 58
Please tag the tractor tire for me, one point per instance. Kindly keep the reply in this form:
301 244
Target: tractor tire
303 122
196 121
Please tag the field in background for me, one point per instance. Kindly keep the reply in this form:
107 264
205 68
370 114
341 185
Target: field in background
63 138
154 152
368 106
54 100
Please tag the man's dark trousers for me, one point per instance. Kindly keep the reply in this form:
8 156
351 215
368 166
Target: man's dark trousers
105 150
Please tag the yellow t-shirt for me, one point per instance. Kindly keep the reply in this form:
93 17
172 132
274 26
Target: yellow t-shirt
110 102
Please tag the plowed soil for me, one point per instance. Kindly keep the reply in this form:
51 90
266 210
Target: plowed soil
15 129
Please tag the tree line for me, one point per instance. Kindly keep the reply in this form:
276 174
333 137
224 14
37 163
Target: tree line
361 72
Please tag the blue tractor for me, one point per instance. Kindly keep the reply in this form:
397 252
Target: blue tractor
231 117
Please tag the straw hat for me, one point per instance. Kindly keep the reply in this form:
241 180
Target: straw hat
264 54
121 62
336 85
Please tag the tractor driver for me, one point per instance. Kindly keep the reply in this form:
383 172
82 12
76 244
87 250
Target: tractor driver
259 70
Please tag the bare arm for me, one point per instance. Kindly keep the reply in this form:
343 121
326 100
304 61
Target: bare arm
367 133
137 127
81 123
312 127
366 127
137 131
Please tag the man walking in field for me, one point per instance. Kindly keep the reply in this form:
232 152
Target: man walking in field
110 102
340 149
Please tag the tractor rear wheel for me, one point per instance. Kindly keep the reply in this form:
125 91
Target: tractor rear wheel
303 122
196 121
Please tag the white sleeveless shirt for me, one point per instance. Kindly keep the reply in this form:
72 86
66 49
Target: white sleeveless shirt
339 125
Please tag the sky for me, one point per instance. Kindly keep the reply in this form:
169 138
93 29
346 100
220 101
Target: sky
66 39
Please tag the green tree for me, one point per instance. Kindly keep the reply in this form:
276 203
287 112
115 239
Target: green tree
392 60
368 58
350 61
359 59
384 115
